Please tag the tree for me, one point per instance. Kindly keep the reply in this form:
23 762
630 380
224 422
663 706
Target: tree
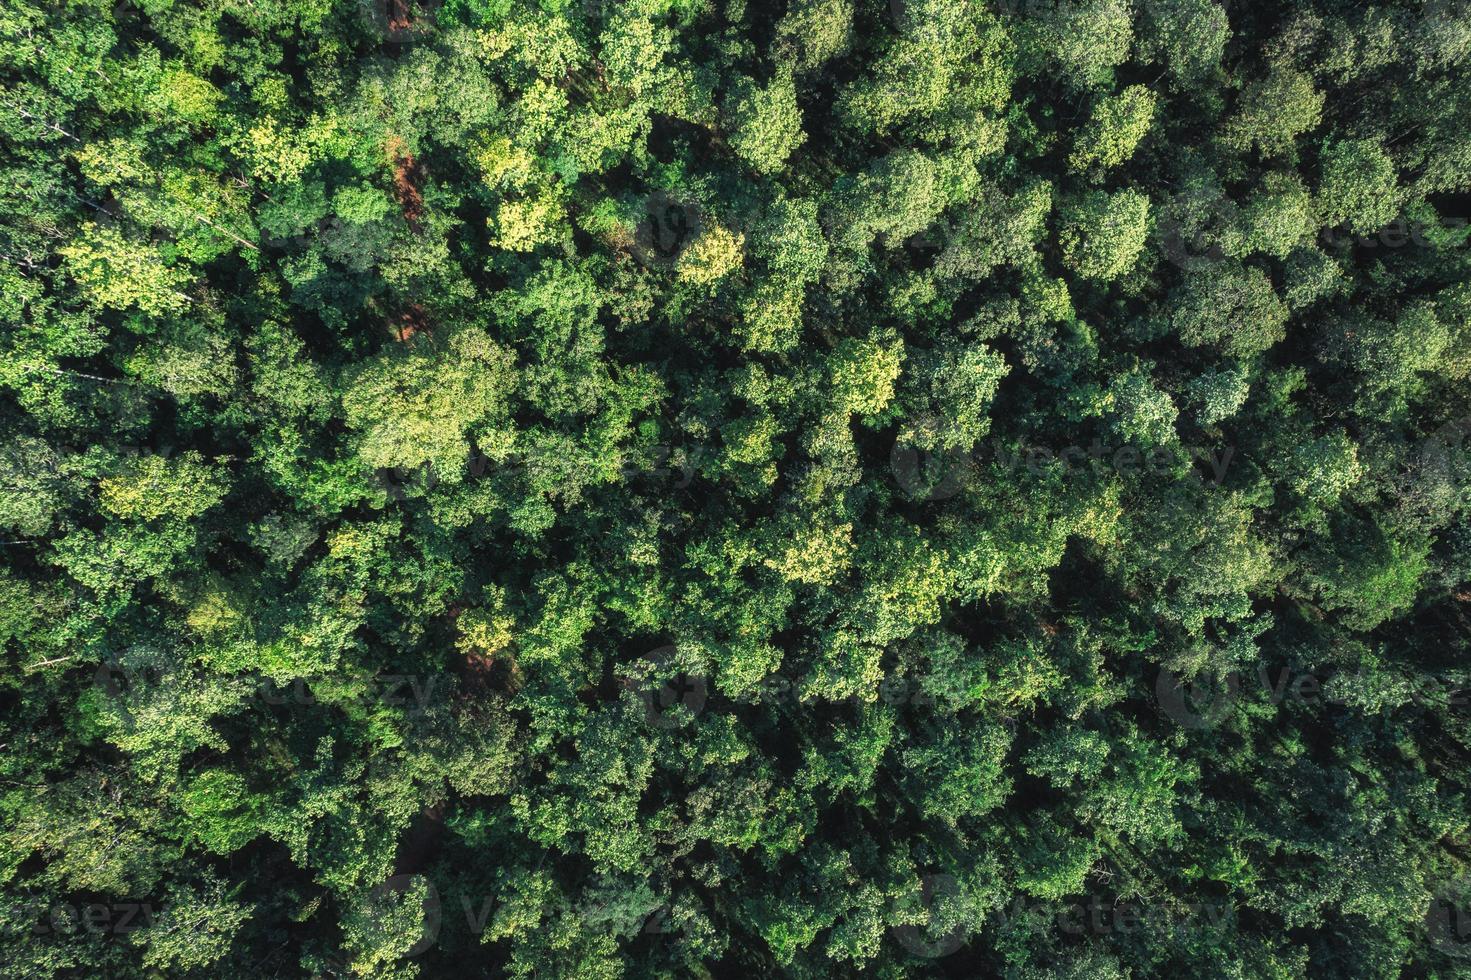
1119 122
766 125
659 488
195 930
816 30
1272 112
416 406
1103 234
1358 185
1086 41
1233 307
1189 36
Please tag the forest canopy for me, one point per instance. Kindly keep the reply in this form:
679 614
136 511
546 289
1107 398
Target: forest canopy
720 488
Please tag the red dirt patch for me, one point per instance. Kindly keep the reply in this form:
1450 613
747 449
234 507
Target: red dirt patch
480 672
399 17
407 176
411 321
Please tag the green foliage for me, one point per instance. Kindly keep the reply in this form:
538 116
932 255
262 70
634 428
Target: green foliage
1118 124
1358 186
766 125
1086 41
414 406
1271 113
666 488
1103 234
1187 36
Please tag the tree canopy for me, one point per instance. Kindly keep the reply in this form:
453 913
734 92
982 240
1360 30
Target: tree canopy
702 488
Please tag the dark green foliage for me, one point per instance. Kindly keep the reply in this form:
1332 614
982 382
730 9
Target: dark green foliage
703 488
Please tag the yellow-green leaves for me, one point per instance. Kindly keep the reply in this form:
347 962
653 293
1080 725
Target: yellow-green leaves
114 271
1085 41
422 403
947 54
813 553
1273 112
766 125
185 96
714 255
1103 234
151 486
864 372
1119 122
814 31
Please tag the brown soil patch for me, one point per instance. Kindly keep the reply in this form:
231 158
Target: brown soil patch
411 321
407 176
399 17
480 672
